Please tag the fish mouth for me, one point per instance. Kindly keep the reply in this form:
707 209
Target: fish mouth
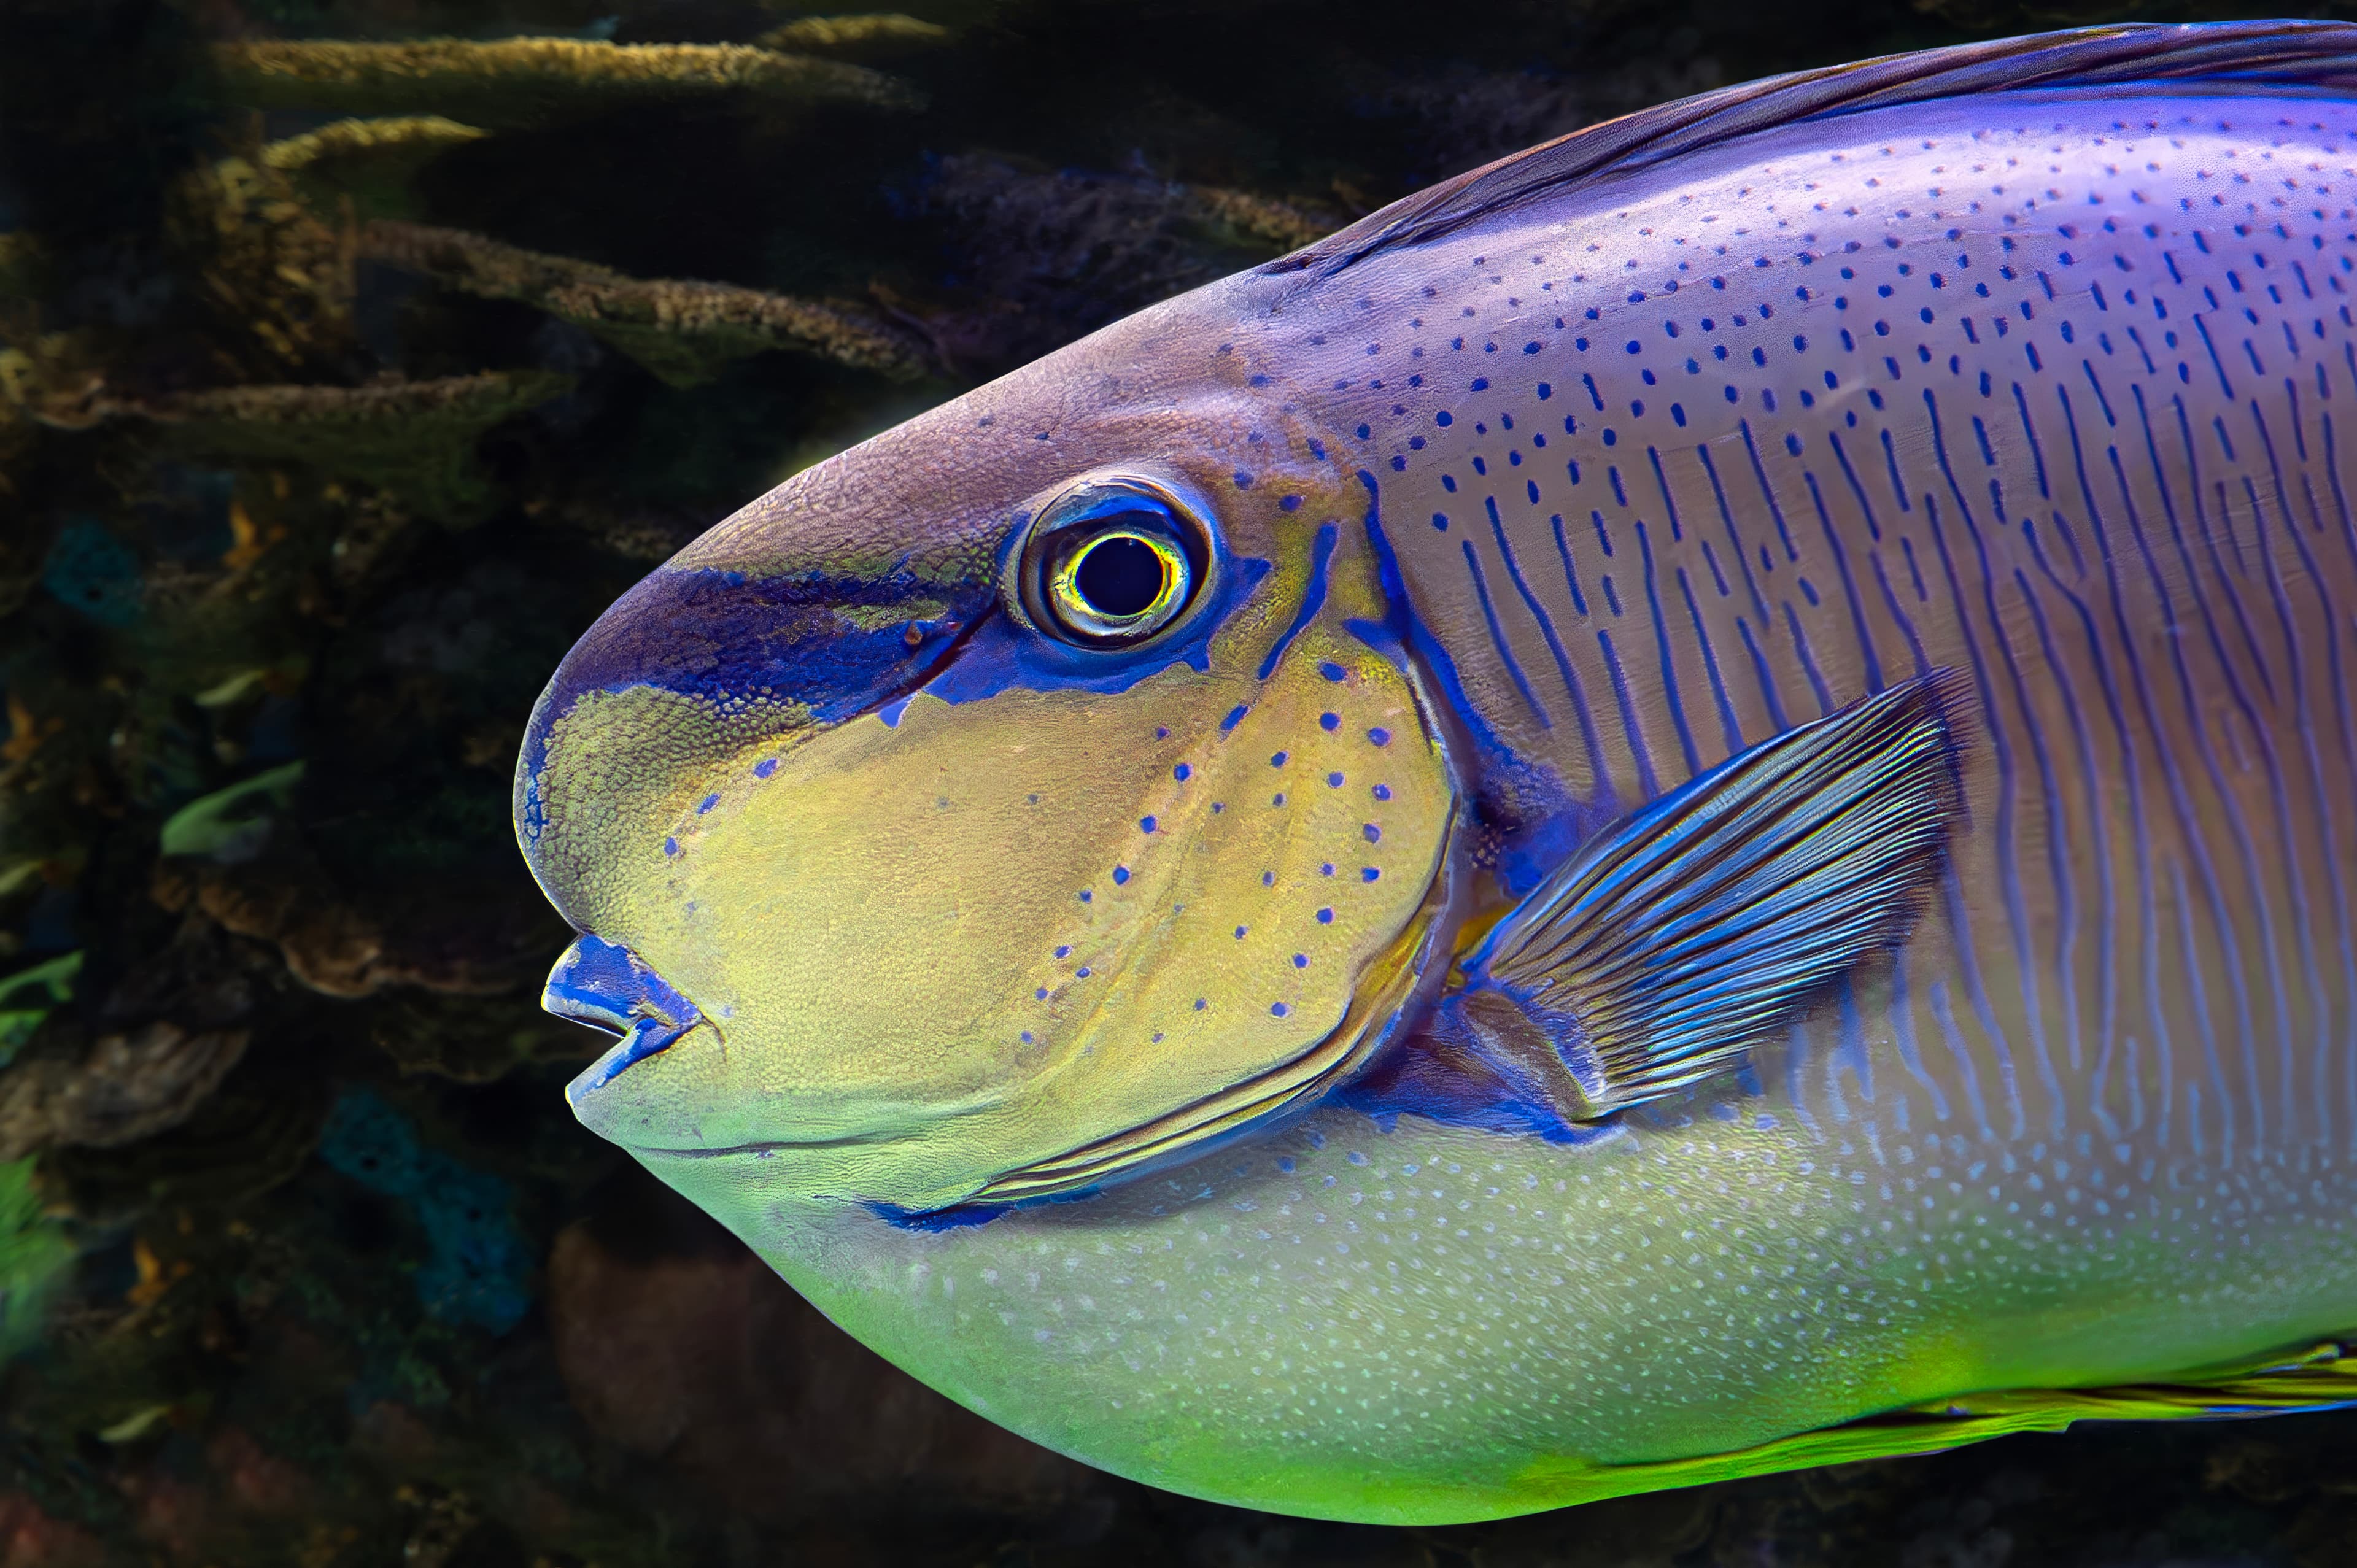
612 988
615 991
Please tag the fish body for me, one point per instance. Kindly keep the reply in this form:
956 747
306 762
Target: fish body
1127 1042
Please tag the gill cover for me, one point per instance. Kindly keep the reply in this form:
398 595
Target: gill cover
973 904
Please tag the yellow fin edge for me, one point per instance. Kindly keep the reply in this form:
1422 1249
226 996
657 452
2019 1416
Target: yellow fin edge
2321 1376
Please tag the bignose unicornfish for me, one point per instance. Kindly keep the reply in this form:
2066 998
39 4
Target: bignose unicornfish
1679 808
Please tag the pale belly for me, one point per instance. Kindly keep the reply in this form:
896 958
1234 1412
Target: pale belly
1336 1313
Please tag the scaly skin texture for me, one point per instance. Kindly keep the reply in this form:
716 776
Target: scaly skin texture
2092 1125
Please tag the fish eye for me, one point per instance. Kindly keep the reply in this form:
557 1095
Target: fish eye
1111 561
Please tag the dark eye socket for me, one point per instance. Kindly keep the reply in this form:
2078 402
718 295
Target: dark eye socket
1111 561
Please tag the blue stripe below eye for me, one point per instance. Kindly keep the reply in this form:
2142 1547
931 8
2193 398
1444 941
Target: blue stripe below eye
1312 600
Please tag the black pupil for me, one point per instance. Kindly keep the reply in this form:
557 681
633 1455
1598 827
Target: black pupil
1120 576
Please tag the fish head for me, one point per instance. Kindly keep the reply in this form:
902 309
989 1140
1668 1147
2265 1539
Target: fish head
1003 805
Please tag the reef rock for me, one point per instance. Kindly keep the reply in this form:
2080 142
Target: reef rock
710 1362
124 1087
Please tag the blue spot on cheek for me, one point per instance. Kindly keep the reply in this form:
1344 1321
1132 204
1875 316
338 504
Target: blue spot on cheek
764 768
671 846
1444 418
1027 1037
1063 952
1380 737
1268 879
1279 1008
1235 717
1290 503
1243 481
1333 781
1180 772
707 804
1278 760
1330 721
1146 825
1326 870
1301 961
1284 1164
1239 932
1086 895
1120 874
1040 995
1161 734
1383 791
1082 972
1331 671
1364 432
1368 873
1325 917
1200 1004
1374 835
1279 800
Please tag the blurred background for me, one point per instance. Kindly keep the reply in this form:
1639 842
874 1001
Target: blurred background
354 354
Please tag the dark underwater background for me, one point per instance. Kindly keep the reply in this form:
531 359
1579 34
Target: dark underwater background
336 400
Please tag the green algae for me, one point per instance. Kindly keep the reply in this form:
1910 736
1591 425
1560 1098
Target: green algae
226 823
29 996
35 1254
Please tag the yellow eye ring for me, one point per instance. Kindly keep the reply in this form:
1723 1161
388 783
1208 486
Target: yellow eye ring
1118 584
1110 560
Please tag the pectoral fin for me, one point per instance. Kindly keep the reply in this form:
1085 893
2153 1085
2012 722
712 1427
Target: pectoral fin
1704 922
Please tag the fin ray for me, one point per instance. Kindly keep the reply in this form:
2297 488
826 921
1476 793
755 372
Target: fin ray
1701 923
2319 1377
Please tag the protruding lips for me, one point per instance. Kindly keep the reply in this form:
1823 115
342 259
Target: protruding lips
611 988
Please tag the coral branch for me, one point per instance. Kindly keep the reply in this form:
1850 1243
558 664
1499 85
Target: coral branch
682 331
1279 223
414 437
878 36
404 135
277 279
511 81
372 161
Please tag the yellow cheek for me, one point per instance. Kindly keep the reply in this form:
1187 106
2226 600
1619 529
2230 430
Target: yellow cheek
1004 929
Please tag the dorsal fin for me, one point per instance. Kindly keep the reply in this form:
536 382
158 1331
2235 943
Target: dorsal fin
2261 53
